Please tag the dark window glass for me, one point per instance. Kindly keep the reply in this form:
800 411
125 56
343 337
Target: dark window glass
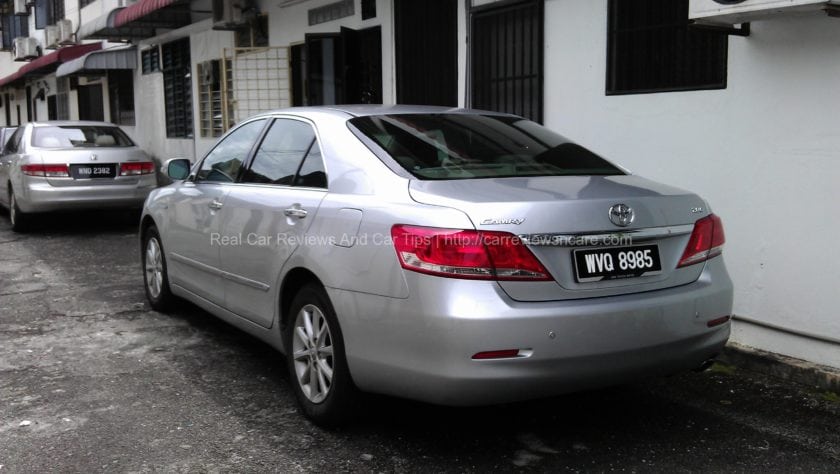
121 96
368 9
225 161
151 60
312 173
256 35
14 26
177 88
40 14
79 136
280 153
462 146
298 73
507 59
55 11
651 48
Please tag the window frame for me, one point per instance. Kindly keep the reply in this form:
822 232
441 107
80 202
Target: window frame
316 141
178 73
609 84
245 162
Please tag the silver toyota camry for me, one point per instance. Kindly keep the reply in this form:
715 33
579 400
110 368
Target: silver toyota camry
54 166
451 256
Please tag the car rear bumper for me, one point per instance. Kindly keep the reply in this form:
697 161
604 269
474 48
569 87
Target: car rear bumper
422 347
37 195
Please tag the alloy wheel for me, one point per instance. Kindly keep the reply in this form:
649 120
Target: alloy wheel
312 350
154 267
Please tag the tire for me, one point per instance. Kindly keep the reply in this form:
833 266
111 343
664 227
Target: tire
17 218
155 273
326 404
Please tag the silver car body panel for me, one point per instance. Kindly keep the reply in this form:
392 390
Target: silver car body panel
413 335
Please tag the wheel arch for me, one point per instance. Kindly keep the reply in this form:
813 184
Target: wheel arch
294 280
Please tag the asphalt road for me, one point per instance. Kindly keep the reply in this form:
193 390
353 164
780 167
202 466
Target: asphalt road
106 384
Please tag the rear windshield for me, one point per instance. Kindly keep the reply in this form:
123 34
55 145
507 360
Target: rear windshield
467 146
79 136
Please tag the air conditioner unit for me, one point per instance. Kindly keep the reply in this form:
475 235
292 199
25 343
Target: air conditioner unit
65 31
227 15
20 7
51 36
25 49
731 12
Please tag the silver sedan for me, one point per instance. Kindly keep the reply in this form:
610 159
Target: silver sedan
451 256
53 166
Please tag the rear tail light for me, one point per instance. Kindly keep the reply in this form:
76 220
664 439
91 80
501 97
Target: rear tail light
137 168
466 254
706 241
48 171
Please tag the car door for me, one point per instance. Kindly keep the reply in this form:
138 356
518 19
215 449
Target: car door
271 208
193 236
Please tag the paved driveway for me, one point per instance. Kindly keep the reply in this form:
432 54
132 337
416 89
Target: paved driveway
106 384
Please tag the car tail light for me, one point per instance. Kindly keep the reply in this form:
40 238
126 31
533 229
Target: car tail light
706 241
466 254
137 168
49 171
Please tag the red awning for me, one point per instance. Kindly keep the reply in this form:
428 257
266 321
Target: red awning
50 61
139 10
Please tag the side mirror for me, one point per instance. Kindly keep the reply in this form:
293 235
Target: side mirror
178 169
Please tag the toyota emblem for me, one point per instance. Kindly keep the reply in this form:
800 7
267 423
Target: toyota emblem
622 215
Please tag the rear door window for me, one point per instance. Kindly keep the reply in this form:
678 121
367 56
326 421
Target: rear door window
469 146
289 155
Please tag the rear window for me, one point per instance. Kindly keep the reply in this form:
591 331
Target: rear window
79 136
470 146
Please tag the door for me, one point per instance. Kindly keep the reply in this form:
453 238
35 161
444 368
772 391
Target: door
324 69
271 209
363 65
91 106
194 239
506 59
426 52
8 157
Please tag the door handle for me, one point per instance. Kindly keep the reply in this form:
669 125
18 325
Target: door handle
215 204
295 212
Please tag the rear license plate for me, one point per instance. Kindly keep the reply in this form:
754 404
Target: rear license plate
614 263
93 171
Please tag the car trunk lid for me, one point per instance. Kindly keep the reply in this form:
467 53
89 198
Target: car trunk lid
557 216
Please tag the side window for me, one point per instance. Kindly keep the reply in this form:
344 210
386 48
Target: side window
13 145
312 173
281 152
224 162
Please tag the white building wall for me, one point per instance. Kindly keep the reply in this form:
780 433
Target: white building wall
765 152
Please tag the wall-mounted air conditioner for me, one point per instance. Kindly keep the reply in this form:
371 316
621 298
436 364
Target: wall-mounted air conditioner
51 36
731 12
25 49
227 15
65 31
20 7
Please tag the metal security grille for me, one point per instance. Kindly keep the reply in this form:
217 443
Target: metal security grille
255 80
653 49
507 59
177 89
62 100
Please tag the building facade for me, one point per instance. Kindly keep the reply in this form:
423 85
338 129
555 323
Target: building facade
739 109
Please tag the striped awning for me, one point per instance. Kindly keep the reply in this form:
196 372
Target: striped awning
103 60
49 63
140 10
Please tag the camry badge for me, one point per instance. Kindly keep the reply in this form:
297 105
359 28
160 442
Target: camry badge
502 221
622 215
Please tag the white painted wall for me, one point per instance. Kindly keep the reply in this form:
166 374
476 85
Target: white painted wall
765 152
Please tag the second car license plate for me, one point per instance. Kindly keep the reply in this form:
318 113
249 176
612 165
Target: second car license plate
613 263
93 171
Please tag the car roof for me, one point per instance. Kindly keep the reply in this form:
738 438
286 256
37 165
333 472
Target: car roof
62 123
364 110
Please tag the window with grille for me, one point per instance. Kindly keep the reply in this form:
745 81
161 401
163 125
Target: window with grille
62 99
651 48
121 96
150 60
177 88
211 102
14 26
255 36
55 11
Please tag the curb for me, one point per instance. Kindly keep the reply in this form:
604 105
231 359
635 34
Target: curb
782 367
